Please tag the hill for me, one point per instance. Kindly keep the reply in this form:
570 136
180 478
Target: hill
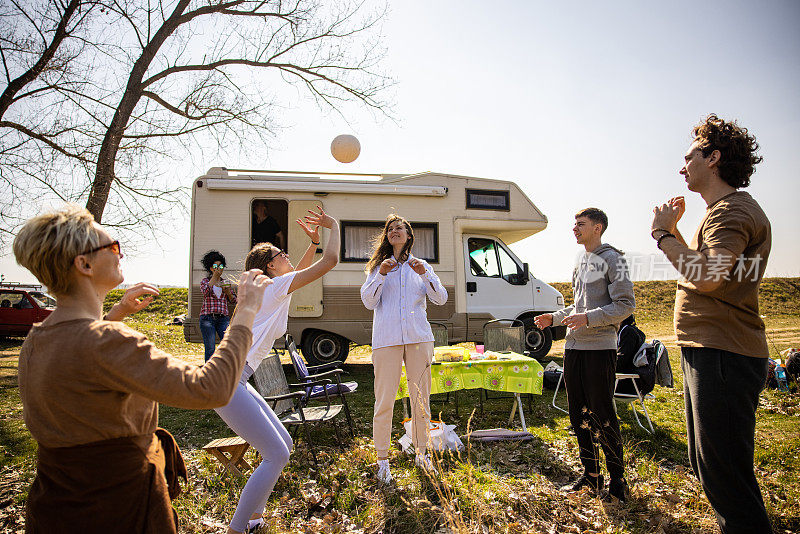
654 299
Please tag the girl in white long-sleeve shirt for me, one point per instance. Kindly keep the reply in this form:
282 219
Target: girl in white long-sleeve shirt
396 289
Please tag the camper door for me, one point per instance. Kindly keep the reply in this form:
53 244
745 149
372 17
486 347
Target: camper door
306 301
495 281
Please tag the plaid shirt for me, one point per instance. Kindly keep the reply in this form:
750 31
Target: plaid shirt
212 304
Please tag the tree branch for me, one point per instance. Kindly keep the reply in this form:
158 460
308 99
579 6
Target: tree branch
44 139
31 74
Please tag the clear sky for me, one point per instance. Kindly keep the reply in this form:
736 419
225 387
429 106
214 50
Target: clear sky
580 103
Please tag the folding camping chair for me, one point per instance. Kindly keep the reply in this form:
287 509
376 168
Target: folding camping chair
626 344
637 396
312 375
509 338
627 398
441 338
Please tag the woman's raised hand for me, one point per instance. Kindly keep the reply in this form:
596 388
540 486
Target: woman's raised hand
416 264
313 235
136 298
320 219
252 284
387 265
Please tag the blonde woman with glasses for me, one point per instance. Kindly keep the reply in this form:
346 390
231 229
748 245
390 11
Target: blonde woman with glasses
90 385
396 289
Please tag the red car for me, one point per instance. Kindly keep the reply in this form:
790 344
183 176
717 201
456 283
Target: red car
21 305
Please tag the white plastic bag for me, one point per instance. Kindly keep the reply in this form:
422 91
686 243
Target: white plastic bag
441 437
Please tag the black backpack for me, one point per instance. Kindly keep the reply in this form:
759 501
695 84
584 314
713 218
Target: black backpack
629 340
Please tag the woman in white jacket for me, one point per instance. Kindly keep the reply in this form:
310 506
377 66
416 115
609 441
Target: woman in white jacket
396 289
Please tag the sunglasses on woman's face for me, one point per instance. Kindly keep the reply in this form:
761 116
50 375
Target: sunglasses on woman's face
277 254
114 246
218 266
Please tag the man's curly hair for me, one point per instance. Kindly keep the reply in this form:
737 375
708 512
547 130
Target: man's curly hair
737 147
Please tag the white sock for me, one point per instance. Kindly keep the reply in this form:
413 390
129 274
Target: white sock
383 463
255 523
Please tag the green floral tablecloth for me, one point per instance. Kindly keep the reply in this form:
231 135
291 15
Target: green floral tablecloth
513 373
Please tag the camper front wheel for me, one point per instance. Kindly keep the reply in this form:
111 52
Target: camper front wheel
321 347
538 342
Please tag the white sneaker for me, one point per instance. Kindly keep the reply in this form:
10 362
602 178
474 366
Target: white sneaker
253 525
424 462
384 473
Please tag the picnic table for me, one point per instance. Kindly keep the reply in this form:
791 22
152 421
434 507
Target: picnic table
510 372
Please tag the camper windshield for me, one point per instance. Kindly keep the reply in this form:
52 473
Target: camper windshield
483 257
487 258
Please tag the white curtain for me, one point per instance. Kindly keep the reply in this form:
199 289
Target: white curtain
424 245
358 241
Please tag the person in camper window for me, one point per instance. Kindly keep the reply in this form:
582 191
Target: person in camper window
248 414
265 228
396 289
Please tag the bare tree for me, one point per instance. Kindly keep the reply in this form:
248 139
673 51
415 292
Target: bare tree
101 94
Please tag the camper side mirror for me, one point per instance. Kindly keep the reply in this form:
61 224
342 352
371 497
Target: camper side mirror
519 278
525 273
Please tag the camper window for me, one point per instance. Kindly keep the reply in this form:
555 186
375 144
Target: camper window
509 269
358 236
486 199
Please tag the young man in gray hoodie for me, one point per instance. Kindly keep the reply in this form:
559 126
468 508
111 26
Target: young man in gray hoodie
603 295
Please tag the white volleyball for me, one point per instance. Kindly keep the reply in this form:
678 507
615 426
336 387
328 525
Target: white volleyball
345 148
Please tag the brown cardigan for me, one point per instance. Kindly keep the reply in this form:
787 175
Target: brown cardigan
106 486
83 381
89 392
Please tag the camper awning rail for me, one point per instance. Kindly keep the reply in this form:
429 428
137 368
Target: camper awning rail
327 187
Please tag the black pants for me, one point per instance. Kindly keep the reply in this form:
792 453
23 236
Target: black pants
589 376
721 392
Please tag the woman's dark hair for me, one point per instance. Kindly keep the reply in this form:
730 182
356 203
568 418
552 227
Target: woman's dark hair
382 249
736 147
210 258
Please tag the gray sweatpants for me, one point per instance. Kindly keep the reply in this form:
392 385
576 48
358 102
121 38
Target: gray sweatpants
253 420
721 391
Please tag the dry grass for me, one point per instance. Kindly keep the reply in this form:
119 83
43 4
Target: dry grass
505 487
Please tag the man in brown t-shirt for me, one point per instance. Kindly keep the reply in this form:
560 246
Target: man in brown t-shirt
722 338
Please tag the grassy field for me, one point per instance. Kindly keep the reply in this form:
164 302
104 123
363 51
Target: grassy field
507 487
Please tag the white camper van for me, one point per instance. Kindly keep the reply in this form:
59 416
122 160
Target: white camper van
462 227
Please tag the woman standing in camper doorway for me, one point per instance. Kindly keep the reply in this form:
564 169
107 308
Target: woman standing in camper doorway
247 413
396 287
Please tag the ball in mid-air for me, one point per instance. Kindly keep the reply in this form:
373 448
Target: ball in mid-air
345 148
